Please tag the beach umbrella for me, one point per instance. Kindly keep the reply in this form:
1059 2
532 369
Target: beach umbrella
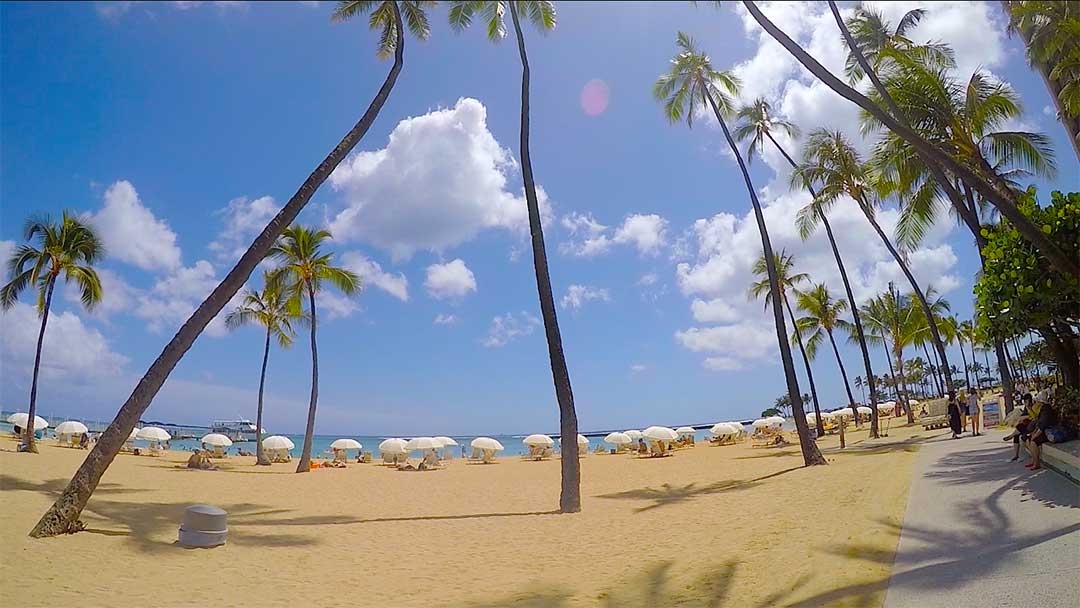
776 420
685 430
153 433
660 433
912 402
486 443
71 427
633 435
720 428
538 440
842 413
216 439
862 409
582 440
760 423
422 443
446 441
278 442
134 434
20 420
618 439
345 444
393 446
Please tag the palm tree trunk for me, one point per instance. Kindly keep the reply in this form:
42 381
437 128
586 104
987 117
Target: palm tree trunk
260 458
63 516
1003 199
809 374
933 369
892 372
986 358
971 343
903 387
931 322
304 465
843 375
28 432
967 376
874 433
570 494
811 453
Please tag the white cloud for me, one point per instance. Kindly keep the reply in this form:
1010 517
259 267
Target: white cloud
441 179
115 10
371 273
116 294
71 352
452 280
6 249
578 295
722 364
638 368
646 232
131 233
713 311
445 319
331 304
509 327
751 340
244 220
648 279
174 297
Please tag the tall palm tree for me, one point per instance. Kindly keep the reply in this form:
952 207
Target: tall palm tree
691 83
757 122
893 321
385 18
993 190
880 44
789 280
68 248
270 309
952 330
968 331
540 14
833 163
304 270
1050 32
821 320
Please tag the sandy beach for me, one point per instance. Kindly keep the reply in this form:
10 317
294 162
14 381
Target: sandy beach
709 526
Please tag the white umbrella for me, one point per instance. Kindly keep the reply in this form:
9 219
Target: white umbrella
20 420
760 423
582 440
685 430
844 413
346 444
618 439
393 446
422 443
633 435
862 409
217 440
153 433
776 420
827 415
71 427
486 443
278 442
446 441
720 428
134 434
660 433
538 440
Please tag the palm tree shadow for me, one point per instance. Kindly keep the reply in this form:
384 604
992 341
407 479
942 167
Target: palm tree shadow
249 519
668 494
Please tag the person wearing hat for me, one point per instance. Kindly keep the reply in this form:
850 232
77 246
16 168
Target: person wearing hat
1044 417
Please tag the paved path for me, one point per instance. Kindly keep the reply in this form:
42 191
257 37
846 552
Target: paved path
980 531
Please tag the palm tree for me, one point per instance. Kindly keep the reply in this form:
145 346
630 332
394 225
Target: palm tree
542 15
63 516
691 83
70 248
832 162
788 279
893 322
1049 30
757 122
952 330
269 309
822 318
968 332
880 45
996 193
303 272
861 385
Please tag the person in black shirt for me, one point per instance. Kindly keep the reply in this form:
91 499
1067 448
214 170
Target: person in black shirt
1043 421
954 416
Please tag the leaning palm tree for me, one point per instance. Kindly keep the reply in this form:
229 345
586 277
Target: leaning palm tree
63 516
758 122
693 83
68 248
542 15
304 270
270 309
789 280
990 187
831 162
822 318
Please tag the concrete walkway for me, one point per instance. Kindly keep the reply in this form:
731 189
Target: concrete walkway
981 531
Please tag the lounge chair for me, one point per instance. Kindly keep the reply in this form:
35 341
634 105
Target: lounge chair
217 452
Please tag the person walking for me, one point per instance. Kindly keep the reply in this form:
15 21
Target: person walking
954 416
973 411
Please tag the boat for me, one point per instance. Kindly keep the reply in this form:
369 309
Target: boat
236 430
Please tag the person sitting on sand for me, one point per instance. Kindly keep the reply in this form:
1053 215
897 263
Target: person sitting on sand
641 447
84 441
200 461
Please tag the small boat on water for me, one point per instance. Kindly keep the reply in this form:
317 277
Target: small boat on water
235 430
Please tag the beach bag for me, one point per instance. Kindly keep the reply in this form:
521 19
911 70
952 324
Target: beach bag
1057 434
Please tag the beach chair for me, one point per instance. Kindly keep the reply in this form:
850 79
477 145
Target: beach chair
217 452
155 449
488 457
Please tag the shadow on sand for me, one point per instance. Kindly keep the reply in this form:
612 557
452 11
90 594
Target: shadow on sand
668 494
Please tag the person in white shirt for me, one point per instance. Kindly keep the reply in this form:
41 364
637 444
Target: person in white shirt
973 410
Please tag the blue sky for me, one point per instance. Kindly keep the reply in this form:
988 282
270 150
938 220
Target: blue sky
178 127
